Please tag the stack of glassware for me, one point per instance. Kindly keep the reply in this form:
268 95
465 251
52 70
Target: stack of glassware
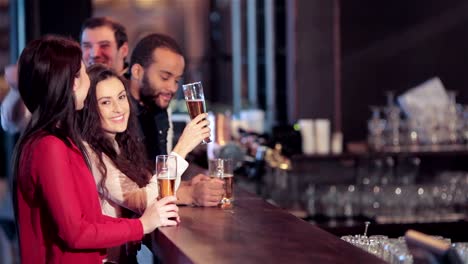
436 130
395 250
386 200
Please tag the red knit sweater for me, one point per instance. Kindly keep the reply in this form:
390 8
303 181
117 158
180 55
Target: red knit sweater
59 214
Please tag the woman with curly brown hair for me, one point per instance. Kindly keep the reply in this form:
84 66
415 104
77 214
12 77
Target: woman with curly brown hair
121 170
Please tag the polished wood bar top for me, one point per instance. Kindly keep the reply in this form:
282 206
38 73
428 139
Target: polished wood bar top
252 231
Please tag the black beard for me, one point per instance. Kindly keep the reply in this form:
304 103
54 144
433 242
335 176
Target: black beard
147 97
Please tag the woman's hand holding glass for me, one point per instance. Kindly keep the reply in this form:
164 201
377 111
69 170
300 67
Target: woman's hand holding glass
195 131
160 213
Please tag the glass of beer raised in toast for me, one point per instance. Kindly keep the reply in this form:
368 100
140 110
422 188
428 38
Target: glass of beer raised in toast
195 100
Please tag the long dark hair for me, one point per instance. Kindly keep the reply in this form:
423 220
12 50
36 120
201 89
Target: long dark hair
132 157
47 69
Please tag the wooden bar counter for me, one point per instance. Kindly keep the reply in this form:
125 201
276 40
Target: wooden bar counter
252 231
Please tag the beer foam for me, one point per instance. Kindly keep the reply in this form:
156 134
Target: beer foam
166 175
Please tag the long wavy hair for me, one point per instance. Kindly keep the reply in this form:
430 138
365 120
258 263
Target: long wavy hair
131 160
47 69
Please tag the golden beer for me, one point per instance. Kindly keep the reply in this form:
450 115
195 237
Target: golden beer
166 186
195 99
228 196
196 107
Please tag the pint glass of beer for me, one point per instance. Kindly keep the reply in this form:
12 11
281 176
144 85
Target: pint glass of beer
193 94
222 169
166 170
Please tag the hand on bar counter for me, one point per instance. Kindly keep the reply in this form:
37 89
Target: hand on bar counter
201 191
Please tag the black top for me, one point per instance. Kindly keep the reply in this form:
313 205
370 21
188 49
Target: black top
154 126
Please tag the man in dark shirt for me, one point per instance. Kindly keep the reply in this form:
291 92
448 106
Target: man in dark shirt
156 68
154 124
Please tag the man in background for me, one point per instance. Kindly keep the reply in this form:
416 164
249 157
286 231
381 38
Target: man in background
157 65
102 41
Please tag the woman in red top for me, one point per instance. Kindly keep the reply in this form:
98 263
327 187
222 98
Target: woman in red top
56 203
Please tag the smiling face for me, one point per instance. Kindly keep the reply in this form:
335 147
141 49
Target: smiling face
100 46
113 105
161 78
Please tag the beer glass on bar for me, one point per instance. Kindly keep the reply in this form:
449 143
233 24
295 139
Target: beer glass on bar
223 169
195 100
166 171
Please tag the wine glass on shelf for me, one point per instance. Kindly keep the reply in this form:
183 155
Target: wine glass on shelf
376 126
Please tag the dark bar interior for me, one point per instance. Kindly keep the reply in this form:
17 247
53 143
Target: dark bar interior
346 122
